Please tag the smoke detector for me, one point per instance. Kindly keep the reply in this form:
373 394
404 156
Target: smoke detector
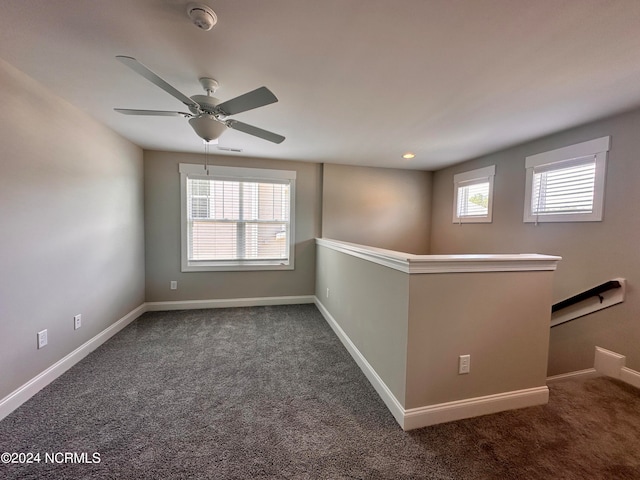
202 16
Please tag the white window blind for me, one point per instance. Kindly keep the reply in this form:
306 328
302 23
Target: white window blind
473 199
567 184
231 222
472 195
567 188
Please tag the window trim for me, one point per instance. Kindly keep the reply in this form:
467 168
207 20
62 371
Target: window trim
563 157
242 174
472 177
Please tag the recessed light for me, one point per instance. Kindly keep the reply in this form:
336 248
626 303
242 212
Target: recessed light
409 155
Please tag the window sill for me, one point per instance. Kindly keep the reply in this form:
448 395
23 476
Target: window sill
458 220
232 266
564 218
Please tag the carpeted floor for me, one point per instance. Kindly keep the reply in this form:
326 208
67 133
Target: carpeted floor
270 393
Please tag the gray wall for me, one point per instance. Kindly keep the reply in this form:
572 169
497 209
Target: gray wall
499 321
592 252
162 228
380 207
412 328
370 302
71 235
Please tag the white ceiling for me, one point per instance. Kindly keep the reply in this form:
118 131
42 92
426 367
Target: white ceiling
359 81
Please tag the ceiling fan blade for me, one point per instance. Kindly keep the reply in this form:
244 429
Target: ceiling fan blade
255 131
139 68
257 98
155 113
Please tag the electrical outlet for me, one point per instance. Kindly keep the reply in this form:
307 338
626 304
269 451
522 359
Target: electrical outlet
327 292
174 285
464 364
77 321
42 339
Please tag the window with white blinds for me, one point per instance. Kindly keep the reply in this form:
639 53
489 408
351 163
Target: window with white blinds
564 189
567 184
473 199
236 218
472 196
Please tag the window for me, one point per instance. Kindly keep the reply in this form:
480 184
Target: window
473 195
236 218
567 184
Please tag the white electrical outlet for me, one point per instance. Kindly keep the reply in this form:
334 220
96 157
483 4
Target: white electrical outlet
174 285
464 364
77 321
42 339
327 292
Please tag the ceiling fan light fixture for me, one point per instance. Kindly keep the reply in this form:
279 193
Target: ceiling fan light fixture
206 111
207 127
202 16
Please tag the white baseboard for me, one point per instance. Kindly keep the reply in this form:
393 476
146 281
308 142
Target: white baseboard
439 413
389 399
612 364
16 398
228 303
607 363
586 373
630 376
474 407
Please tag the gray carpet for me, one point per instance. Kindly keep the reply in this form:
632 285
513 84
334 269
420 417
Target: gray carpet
270 393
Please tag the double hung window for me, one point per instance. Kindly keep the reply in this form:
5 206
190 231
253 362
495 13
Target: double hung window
236 218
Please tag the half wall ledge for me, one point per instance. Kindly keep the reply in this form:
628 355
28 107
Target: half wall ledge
406 319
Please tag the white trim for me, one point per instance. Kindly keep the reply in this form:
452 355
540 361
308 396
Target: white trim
239 174
407 419
237 266
586 373
439 413
16 398
389 399
474 407
472 177
612 364
591 305
484 263
388 258
416 264
608 363
597 148
630 376
476 174
228 303
590 147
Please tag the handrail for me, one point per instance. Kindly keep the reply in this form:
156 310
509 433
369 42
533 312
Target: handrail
592 292
616 286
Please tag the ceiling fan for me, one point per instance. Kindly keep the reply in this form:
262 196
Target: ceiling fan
208 116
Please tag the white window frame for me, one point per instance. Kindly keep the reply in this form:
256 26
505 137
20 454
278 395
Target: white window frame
561 158
234 174
472 177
